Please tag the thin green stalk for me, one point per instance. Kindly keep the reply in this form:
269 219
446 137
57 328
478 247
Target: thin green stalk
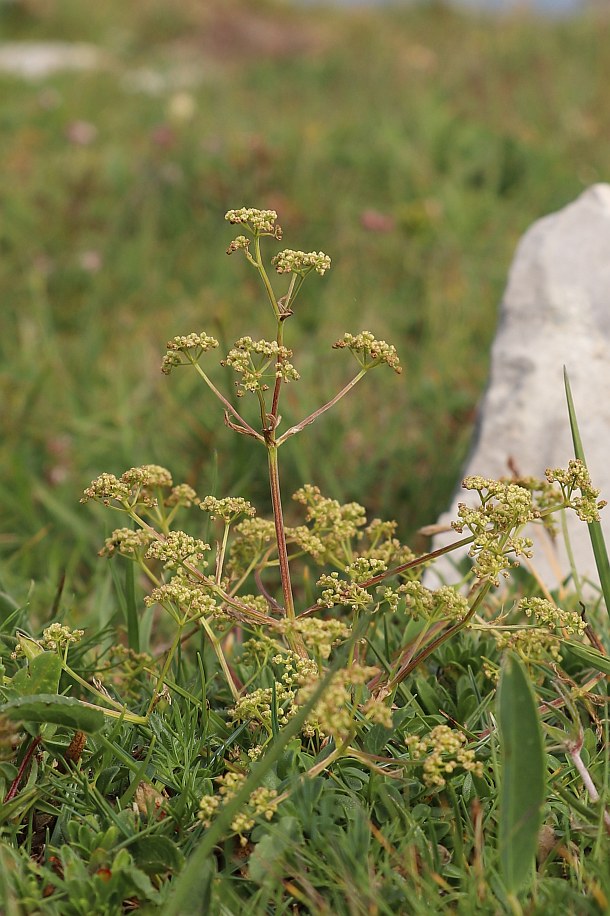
318 413
220 656
264 277
166 665
98 693
247 429
570 554
220 557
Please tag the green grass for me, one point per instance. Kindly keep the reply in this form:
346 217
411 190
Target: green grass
463 131
460 131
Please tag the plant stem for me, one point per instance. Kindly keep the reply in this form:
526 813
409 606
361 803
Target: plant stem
220 557
296 643
410 666
412 564
221 658
98 693
264 277
574 754
229 407
318 413
164 670
14 787
278 380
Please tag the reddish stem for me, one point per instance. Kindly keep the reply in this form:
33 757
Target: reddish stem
12 792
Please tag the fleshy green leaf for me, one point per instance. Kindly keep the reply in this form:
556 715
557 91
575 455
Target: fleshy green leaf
49 707
523 775
41 675
156 855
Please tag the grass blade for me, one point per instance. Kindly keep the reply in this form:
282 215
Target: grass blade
589 655
126 596
596 534
522 791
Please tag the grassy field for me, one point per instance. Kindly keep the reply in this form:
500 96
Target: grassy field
459 132
414 147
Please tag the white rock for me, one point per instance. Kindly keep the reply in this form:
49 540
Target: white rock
555 312
36 60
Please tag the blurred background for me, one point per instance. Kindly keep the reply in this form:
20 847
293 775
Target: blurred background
414 143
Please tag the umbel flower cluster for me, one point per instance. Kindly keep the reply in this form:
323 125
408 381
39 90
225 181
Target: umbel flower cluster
280 600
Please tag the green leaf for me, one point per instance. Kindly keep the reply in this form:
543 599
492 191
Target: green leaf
49 707
589 655
156 855
596 533
41 675
523 772
265 862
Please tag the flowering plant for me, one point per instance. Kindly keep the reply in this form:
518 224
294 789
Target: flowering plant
244 582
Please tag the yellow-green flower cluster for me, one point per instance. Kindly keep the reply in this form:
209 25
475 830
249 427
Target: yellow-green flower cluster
332 523
297 670
182 495
377 711
334 713
229 509
257 705
262 803
336 591
57 636
442 751
259 222
385 547
256 360
186 349
548 615
505 508
127 543
256 602
301 262
176 549
137 485
251 539
532 644
184 597
545 496
363 568
576 476
369 351
241 243
318 635
306 540
443 603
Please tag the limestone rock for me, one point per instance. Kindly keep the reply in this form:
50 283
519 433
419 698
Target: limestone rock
555 312
37 60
